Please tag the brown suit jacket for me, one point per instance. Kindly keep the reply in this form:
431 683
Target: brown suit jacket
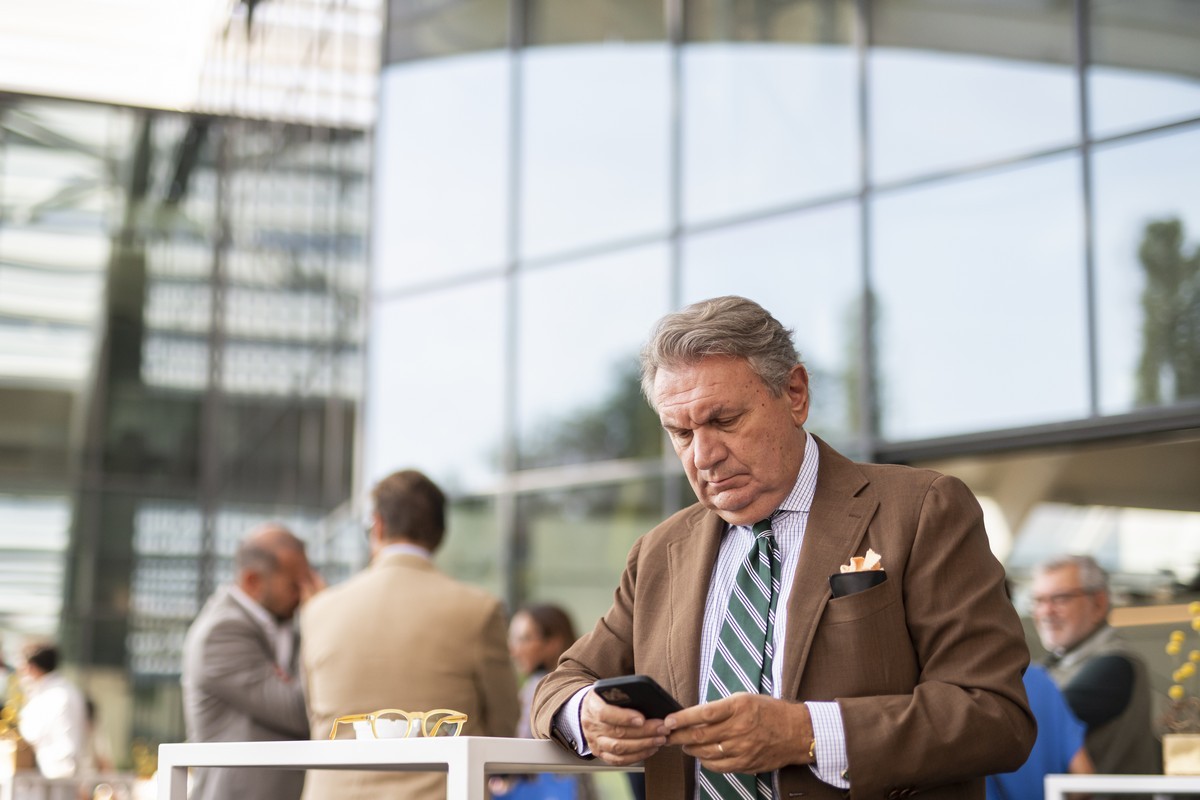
926 667
403 635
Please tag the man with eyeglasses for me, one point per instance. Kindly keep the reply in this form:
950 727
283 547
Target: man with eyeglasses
1102 677
402 649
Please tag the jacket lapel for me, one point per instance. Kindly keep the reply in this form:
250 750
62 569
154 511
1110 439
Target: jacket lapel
836 525
691 559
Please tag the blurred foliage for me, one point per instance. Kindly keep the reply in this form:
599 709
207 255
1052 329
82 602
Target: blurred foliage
1169 369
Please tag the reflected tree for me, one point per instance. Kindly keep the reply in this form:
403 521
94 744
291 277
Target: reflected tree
1169 369
620 425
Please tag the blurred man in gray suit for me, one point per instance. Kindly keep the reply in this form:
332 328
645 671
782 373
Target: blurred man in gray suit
402 635
240 662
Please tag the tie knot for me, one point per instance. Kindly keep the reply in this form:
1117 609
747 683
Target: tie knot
762 527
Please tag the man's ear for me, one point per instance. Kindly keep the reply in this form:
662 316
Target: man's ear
797 392
251 582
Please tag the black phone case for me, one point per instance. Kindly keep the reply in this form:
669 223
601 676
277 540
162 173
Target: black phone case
640 692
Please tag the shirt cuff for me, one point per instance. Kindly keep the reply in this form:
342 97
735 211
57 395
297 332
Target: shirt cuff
832 762
569 724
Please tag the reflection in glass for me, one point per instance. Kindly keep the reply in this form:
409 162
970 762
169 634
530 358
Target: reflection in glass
574 542
573 22
769 21
56 196
751 139
578 382
441 169
595 162
935 107
1148 265
431 30
33 541
803 268
472 550
981 302
1144 68
436 408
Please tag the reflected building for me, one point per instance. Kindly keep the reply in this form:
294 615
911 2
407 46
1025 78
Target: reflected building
979 217
181 334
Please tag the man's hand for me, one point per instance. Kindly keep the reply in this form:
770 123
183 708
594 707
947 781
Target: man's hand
311 583
619 736
747 733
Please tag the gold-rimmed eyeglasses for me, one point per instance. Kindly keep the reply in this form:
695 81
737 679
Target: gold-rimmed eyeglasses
392 723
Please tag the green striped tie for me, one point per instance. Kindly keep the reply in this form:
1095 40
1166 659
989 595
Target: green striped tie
744 654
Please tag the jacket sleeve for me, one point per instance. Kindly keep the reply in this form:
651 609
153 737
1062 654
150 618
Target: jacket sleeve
235 668
604 651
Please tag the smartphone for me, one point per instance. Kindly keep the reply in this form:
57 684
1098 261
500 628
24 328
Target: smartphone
639 692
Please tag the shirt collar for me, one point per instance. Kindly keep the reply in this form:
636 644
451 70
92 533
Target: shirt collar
405 548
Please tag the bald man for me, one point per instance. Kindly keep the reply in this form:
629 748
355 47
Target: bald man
240 664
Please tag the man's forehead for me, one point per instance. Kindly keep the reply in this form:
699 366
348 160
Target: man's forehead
1068 573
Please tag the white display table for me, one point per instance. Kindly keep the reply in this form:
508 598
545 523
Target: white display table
467 760
1057 786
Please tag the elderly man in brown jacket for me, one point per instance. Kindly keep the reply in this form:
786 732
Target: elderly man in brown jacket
910 685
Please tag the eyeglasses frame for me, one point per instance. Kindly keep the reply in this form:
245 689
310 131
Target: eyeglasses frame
410 717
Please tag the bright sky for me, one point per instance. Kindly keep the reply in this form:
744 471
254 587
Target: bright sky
136 52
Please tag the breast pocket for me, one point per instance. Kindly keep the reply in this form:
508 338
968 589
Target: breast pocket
862 646
863 604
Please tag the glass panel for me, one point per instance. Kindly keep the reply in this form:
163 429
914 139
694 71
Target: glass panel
755 115
978 327
572 22
472 550
804 269
576 542
581 328
435 408
34 543
1148 266
958 84
770 21
441 168
1145 69
56 206
421 29
612 103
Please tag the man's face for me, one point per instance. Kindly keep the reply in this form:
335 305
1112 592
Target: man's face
279 591
1063 612
741 447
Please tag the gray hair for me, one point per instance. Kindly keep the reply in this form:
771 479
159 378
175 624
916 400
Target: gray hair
1092 577
721 326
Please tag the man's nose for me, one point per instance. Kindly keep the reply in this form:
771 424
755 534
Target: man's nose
707 450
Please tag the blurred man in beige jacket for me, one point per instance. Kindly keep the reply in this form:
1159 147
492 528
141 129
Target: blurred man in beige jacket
402 635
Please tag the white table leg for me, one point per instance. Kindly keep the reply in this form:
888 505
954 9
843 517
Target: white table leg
466 778
172 781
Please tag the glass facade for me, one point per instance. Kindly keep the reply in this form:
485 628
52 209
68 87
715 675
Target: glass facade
967 211
181 358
